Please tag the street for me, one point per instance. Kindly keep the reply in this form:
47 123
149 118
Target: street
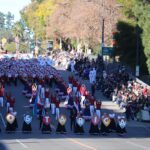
137 137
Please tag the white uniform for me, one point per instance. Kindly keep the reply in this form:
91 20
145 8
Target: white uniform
91 77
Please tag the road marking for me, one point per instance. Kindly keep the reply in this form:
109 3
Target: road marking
138 145
23 145
82 145
3 120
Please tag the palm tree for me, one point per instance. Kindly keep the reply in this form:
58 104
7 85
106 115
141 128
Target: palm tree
18 33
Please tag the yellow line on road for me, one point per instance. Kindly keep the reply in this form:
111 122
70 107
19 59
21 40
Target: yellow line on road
81 144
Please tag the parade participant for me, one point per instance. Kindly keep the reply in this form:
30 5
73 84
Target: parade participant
105 125
91 76
79 124
26 128
94 129
82 93
42 94
12 124
47 93
121 125
1 95
61 124
91 100
72 64
47 104
77 104
113 122
86 110
46 128
12 102
73 115
53 106
57 103
98 104
93 88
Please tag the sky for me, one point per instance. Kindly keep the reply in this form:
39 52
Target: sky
14 6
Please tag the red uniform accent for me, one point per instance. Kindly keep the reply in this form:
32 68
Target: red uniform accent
98 105
145 91
77 100
57 104
70 79
12 102
91 101
2 91
46 94
82 90
53 99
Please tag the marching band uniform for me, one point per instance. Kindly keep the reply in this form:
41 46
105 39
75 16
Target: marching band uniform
94 74
61 124
94 129
91 100
57 103
78 129
105 128
46 128
98 108
27 124
53 106
121 127
1 96
112 123
11 127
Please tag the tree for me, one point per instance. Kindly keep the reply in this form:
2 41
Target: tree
82 20
2 20
137 12
18 33
9 20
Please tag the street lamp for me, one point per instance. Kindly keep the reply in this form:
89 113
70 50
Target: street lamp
137 68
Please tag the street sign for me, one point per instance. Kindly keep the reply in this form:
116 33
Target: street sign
107 51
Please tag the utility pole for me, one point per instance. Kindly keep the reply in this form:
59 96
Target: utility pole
137 69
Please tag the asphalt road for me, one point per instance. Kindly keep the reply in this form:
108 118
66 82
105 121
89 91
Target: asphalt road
137 137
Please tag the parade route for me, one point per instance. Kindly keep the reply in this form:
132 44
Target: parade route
137 137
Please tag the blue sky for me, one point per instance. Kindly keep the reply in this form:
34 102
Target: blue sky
14 6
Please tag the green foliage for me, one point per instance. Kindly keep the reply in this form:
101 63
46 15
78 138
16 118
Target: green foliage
137 12
18 30
10 47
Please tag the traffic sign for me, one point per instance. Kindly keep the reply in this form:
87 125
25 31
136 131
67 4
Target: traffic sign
107 51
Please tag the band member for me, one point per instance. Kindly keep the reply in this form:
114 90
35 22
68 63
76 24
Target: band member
98 104
121 125
57 108
105 125
91 100
12 124
47 104
73 115
27 124
46 128
113 122
94 129
1 95
53 106
61 124
79 125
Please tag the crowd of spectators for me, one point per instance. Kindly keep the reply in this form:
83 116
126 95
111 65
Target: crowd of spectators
116 85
